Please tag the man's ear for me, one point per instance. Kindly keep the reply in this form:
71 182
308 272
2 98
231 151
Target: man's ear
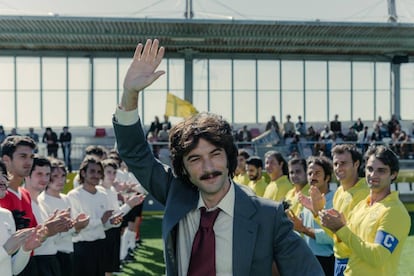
6 159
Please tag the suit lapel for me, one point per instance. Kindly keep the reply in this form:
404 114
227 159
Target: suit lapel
182 200
244 232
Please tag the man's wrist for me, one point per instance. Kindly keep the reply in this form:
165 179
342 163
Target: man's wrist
129 100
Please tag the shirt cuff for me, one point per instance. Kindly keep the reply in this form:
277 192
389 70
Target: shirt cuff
126 118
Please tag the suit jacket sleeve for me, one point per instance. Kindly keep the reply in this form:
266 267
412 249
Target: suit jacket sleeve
135 151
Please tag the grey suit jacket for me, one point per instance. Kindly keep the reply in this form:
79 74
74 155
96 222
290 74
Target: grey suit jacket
261 234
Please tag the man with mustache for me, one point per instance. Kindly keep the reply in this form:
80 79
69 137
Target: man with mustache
319 175
376 229
249 233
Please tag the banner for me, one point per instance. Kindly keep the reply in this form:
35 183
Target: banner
269 137
178 107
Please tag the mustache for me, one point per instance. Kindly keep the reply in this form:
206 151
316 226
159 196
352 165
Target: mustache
210 174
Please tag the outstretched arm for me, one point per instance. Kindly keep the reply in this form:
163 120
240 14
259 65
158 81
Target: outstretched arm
141 72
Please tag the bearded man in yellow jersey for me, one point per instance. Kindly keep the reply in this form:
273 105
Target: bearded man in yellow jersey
378 226
298 177
254 169
277 169
346 162
240 174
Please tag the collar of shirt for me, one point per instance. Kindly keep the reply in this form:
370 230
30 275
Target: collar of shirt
226 204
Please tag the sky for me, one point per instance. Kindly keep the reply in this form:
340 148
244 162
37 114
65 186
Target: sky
281 10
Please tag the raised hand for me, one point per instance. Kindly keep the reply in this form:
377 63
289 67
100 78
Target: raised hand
317 198
141 72
305 201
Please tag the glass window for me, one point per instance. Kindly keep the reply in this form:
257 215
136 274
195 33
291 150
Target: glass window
7 111
316 92
79 91
269 90
28 92
340 90
292 89
244 91
54 91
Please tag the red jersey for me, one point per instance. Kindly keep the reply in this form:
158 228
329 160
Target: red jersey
12 202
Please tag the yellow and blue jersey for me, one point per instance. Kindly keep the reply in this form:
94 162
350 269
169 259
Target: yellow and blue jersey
375 234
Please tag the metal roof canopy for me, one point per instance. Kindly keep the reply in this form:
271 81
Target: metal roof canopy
90 36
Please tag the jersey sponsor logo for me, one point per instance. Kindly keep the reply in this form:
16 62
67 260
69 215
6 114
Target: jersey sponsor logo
387 240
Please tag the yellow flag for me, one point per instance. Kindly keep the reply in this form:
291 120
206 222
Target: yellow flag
178 107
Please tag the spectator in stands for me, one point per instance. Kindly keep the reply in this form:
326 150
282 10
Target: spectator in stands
376 135
65 139
297 176
2 134
336 126
13 132
403 145
358 125
244 135
377 227
311 134
300 127
382 126
204 158
164 133
273 124
288 128
51 140
257 181
167 121
277 169
351 136
155 127
326 133
240 174
33 135
364 139
392 124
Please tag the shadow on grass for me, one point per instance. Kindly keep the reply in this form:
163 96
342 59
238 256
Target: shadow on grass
149 260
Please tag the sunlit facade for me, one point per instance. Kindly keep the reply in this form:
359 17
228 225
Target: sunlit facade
83 91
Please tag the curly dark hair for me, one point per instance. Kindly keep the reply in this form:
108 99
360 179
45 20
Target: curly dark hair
184 137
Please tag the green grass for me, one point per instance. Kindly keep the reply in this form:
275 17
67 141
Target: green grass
149 256
150 262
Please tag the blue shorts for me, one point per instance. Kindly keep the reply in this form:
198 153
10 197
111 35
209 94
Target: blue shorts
340 266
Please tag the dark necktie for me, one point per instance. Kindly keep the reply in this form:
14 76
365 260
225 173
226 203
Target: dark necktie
203 253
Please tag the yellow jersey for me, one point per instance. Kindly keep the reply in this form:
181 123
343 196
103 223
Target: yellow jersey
277 189
292 198
259 186
376 235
